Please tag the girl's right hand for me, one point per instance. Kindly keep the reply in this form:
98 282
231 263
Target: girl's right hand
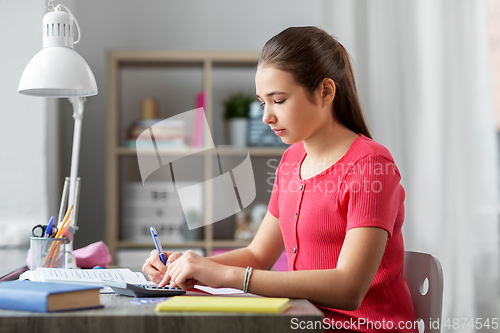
154 268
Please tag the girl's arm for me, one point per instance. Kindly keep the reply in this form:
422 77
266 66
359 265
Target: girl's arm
342 288
264 250
261 253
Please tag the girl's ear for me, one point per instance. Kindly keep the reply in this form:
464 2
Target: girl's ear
328 90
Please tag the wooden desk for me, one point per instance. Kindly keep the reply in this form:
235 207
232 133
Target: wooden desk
121 316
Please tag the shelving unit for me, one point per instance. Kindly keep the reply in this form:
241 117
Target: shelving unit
203 65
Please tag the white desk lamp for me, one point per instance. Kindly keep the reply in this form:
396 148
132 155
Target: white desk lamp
59 71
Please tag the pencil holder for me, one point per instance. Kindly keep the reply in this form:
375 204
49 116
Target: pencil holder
47 252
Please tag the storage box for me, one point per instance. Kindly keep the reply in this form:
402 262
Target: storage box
155 204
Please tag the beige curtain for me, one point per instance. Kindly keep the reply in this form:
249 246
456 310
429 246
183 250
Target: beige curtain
423 74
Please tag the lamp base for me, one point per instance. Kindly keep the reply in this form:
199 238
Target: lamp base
70 260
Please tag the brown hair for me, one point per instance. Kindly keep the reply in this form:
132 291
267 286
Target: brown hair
312 55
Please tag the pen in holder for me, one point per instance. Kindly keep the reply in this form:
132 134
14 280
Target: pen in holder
47 252
70 261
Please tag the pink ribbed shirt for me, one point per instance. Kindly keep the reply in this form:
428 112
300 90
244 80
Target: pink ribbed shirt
362 189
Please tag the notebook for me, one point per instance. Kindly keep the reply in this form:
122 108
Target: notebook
224 304
85 276
47 297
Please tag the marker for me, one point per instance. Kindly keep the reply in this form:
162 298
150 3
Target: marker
158 245
49 228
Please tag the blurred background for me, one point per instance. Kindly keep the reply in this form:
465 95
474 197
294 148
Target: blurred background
428 75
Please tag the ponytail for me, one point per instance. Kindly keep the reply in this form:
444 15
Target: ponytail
347 108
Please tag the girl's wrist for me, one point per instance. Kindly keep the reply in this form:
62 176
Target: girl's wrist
234 277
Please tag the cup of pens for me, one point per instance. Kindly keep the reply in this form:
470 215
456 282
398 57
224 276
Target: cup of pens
48 244
47 252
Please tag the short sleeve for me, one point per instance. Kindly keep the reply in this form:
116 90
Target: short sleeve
373 195
273 206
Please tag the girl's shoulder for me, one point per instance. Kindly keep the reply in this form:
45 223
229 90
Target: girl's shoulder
364 147
367 153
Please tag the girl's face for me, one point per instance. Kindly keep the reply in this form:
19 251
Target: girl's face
287 108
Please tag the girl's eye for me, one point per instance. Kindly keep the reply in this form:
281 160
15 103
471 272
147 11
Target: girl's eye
279 102
262 104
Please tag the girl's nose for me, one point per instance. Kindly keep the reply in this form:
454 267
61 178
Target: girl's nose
268 117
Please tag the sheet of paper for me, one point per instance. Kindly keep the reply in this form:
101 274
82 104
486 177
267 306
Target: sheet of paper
219 291
87 276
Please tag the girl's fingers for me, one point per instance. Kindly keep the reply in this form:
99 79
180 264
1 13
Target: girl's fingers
168 272
185 280
155 279
154 267
190 284
151 272
164 281
149 269
181 273
173 257
156 262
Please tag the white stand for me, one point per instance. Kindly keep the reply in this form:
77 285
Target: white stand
74 180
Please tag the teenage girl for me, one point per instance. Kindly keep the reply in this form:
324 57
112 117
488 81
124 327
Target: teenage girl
337 202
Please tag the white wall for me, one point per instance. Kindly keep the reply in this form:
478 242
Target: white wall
164 25
28 160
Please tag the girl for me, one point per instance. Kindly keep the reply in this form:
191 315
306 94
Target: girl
337 202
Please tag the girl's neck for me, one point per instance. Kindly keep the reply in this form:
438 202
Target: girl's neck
332 140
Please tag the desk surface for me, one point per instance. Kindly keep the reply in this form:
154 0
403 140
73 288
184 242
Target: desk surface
121 315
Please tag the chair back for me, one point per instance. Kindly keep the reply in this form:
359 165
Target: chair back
424 277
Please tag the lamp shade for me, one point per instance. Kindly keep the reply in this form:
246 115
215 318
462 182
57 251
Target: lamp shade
57 72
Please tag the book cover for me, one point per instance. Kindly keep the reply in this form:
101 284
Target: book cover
197 138
47 296
224 304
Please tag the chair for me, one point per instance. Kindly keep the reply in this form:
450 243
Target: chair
424 277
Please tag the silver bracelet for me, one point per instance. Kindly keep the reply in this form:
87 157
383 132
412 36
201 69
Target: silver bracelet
246 282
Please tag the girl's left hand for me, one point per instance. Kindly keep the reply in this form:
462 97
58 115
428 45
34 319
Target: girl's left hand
190 269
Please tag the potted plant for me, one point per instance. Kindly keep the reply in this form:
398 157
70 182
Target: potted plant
236 111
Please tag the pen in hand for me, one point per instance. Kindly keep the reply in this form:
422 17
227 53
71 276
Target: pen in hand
158 245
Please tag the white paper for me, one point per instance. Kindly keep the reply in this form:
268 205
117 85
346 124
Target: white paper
219 291
84 276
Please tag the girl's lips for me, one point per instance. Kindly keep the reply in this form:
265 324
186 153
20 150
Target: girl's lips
278 131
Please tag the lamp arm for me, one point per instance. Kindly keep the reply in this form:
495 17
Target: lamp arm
78 106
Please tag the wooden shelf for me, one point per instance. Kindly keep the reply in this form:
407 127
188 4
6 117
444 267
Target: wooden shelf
187 244
135 245
125 151
120 169
148 58
230 244
254 151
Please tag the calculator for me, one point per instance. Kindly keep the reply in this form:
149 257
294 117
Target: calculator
142 290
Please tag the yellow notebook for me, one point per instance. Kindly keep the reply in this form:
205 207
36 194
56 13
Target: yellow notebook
224 304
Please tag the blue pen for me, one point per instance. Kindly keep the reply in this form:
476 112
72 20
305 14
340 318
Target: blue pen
158 245
49 228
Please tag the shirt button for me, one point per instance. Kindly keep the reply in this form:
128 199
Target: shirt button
301 186
294 250
295 216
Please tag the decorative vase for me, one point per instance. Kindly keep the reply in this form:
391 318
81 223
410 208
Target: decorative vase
237 128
